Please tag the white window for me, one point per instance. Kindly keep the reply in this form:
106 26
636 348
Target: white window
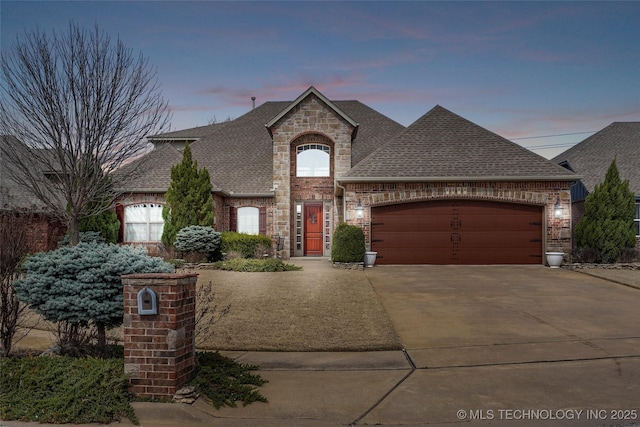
313 160
143 222
249 220
637 220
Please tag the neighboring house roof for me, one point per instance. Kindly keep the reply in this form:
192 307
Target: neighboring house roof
12 194
592 157
442 146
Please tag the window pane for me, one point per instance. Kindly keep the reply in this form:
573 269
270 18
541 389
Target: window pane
313 162
135 213
155 213
143 222
135 233
156 232
249 220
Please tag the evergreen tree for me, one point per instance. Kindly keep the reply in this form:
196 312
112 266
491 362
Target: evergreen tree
607 224
106 223
81 284
189 200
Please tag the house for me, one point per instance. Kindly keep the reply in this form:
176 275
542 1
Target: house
592 157
44 230
441 191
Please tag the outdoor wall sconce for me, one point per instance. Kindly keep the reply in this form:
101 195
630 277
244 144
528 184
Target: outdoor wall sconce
557 209
359 210
147 302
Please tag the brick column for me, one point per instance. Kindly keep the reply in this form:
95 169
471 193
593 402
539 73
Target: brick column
159 349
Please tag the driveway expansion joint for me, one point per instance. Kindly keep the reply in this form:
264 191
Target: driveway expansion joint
391 390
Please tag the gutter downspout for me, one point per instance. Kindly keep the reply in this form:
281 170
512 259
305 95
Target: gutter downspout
344 201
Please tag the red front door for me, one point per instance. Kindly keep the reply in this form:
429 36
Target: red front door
313 229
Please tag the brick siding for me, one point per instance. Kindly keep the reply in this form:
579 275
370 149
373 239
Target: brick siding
159 350
540 193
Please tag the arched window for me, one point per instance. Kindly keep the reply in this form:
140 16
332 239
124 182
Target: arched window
143 222
249 220
313 160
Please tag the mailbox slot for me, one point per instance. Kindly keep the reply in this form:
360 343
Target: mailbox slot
147 302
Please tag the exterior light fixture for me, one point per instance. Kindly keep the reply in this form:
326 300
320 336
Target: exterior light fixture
359 210
557 209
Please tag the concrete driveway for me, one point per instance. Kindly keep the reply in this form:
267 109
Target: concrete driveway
490 342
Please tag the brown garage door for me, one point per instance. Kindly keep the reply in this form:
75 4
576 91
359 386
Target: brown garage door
457 232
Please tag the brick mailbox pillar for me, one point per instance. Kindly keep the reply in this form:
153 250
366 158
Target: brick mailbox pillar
159 323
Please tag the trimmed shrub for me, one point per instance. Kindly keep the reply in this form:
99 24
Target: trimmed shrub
200 240
85 237
267 265
348 244
81 284
249 245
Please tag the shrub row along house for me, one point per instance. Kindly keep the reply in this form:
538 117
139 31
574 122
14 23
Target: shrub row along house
440 191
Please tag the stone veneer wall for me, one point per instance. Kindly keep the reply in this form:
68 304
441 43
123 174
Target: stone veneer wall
541 193
310 116
159 350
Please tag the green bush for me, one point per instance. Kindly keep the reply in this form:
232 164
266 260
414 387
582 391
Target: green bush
85 237
201 240
607 226
249 245
87 390
64 390
81 284
223 381
267 265
188 198
105 223
348 244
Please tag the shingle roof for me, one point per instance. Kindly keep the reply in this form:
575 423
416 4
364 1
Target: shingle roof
12 194
443 146
190 134
152 173
239 154
592 157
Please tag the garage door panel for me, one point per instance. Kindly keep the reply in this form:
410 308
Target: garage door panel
514 255
458 231
410 224
505 239
411 256
413 240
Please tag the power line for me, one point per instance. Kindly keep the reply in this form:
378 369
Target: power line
550 136
549 146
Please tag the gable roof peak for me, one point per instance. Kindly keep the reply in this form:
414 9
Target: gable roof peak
313 91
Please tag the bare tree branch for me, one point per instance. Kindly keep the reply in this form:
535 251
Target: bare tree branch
80 106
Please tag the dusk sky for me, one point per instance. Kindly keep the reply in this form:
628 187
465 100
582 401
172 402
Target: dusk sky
520 69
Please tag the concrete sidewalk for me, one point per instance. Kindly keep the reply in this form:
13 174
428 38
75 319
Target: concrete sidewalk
384 388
